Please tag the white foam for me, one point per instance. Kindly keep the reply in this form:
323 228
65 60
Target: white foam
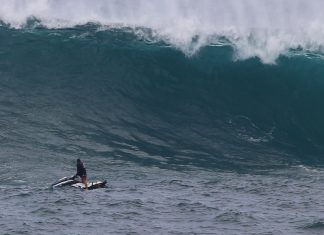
256 28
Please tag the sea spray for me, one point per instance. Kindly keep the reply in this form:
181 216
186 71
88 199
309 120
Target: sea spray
264 29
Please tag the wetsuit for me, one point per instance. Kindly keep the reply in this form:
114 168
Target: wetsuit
81 171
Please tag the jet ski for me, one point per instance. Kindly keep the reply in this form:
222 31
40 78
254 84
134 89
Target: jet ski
71 181
91 185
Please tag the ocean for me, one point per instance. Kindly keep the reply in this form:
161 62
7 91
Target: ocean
204 117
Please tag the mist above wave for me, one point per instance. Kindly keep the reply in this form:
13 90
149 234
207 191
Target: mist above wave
255 28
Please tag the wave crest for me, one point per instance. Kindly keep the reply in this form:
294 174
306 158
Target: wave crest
254 28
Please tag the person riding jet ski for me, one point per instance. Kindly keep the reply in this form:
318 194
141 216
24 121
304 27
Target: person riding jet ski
81 172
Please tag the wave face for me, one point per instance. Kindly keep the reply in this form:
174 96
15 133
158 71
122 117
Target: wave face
127 91
255 28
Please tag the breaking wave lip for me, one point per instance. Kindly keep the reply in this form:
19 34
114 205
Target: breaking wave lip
266 45
253 28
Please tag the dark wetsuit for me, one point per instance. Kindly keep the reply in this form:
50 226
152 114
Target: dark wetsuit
81 171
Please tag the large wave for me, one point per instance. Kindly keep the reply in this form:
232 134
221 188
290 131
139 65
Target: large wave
254 28
110 93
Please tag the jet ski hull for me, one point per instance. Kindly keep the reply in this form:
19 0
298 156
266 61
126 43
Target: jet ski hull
91 185
65 181
77 184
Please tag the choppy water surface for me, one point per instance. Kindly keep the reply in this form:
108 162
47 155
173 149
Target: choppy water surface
146 200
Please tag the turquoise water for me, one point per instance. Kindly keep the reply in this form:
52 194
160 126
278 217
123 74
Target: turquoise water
207 135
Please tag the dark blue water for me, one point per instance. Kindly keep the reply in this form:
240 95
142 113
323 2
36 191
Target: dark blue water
201 144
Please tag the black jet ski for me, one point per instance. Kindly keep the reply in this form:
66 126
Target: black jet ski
71 181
